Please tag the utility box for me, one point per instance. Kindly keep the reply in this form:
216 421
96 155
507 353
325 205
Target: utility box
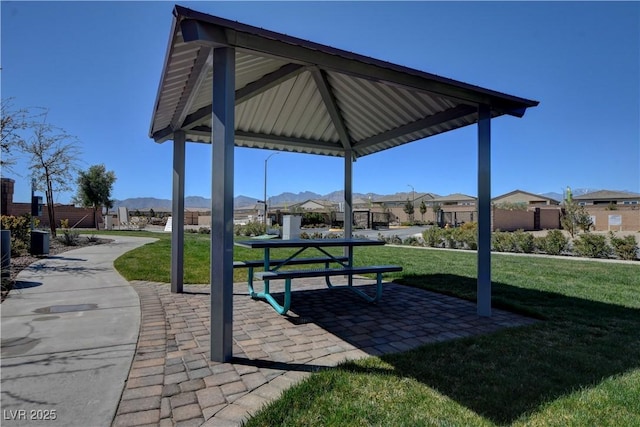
39 242
108 222
36 206
6 253
291 227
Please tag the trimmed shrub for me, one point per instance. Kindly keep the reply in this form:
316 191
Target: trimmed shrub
624 247
412 241
555 242
522 242
467 235
539 243
69 237
502 241
251 229
592 246
314 235
20 227
333 236
394 240
433 236
313 219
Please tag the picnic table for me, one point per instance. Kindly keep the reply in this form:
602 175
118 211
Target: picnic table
273 268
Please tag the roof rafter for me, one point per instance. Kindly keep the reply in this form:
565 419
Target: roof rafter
275 139
255 88
203 64
268 81
418 125
289 140
329 100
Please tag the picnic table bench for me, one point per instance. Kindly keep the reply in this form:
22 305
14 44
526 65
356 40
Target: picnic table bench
272 268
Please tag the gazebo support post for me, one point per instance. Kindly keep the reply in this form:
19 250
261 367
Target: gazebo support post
222 137
177 213
348 198
484 211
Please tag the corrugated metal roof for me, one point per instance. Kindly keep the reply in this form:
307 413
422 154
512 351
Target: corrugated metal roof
300 96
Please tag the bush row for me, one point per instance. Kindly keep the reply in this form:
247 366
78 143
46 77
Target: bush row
20 228
554 243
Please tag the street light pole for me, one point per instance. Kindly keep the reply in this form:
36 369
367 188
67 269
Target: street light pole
264 217
413 199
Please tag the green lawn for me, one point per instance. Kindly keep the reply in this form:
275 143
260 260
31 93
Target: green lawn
579 366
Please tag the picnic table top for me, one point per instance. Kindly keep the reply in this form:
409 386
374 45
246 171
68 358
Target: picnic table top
307 243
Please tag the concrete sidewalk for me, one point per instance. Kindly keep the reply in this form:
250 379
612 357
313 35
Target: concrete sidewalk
69 334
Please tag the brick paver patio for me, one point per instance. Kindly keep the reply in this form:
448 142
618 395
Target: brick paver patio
172 381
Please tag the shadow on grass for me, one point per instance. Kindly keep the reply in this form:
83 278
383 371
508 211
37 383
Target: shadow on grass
505 375
500 371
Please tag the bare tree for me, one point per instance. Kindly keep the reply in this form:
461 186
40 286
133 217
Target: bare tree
53 161
12 123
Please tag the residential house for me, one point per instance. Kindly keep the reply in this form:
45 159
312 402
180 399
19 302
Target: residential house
523 198
521 210
395 205
456 209
612 210
607 197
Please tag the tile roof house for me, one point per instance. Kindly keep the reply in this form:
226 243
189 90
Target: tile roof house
400 199
608 197
456 199
519 197
313 205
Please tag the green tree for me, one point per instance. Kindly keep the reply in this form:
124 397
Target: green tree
408 209
423 209
575 217
436 207
94 189
53 160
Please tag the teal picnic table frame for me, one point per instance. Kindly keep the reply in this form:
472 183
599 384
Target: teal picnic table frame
302 245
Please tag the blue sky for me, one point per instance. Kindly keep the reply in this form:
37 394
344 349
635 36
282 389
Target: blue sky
96 66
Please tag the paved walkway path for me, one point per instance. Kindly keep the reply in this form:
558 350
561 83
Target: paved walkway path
69 333
172 381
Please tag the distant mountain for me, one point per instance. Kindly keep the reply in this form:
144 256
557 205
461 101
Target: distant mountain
338 196
240 201
552 195
287 198
143 203
194 202
574 192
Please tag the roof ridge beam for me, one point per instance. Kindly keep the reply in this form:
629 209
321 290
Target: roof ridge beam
418 125
197 31
330 103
